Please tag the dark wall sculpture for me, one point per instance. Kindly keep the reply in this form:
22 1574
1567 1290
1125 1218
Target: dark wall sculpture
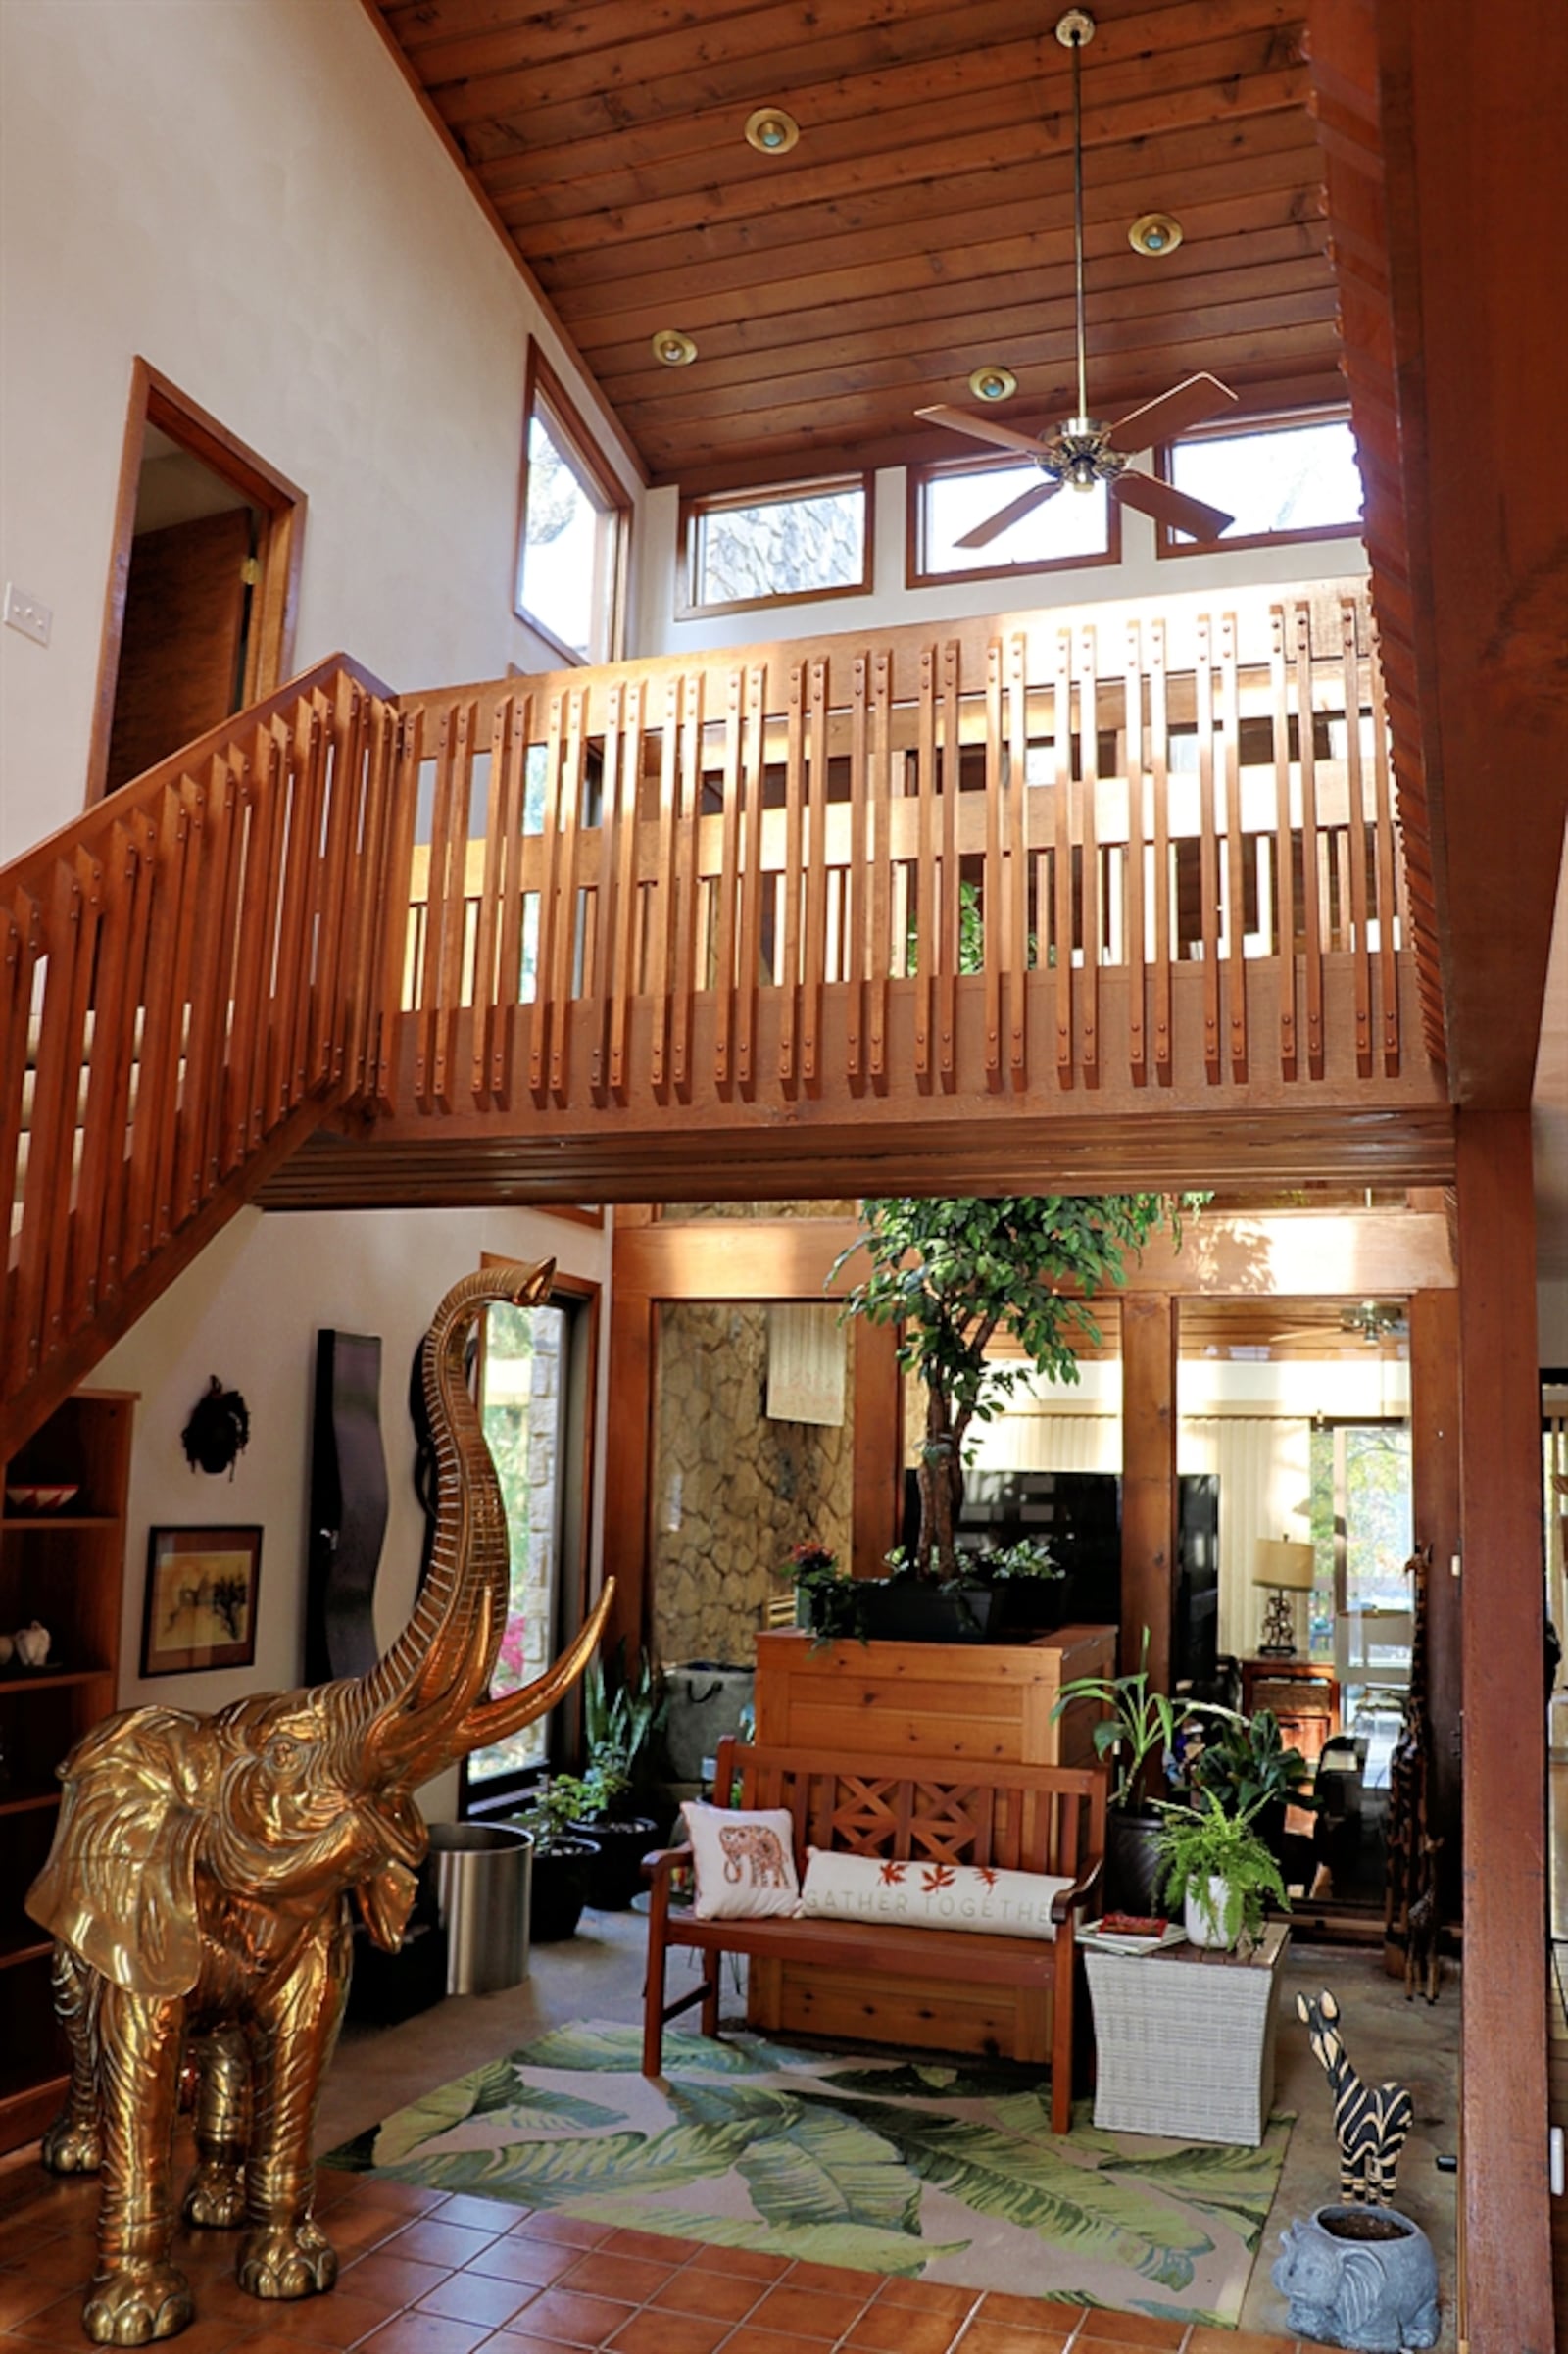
348 1508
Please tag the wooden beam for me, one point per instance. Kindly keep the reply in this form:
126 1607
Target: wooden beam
878 1429
1435 1444
628 1466
1149 1424
1503 2182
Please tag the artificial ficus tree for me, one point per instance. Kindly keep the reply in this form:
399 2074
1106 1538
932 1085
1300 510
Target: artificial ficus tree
958 1275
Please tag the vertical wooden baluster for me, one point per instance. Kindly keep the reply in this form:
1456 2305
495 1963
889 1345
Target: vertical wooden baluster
546 1013
563 983
950 954
686 867
994 902
101 1146
622 961
209 988
1062 727
296 857
597 979
879 795
307 948
791 1003
55 1071
750 956
1284 846
512 812
374 896
142 849
728 887
1355 839
23 935
158 1070
1159 772
352 749
453 866
1235 848
487 981
1089 790
1136 941
1015 932
60 1153
1313 903
266 840
214 1128
436 895
1208 845
855 942
396 954
666 891
1388 954
195 886
925 950
817 773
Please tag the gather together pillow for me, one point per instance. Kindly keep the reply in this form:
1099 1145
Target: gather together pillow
743 1862
929 1895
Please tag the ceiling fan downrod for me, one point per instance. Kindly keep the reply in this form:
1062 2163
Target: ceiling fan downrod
1074 30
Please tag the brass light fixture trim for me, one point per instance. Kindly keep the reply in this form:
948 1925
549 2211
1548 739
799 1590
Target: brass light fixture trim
771 132
993 383
672 349
1156 234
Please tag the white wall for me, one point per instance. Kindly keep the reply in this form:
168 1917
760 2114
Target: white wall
248 197
248 1310
887 603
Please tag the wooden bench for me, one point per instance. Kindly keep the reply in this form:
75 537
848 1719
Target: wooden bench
1021 1818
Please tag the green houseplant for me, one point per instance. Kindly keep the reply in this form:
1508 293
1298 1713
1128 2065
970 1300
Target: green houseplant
562 1855
1218 1868
957 1276
623 1716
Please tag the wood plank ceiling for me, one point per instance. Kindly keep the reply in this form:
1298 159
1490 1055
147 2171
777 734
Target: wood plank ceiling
920 228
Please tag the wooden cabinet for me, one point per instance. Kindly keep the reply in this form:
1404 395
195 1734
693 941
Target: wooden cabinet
66 1569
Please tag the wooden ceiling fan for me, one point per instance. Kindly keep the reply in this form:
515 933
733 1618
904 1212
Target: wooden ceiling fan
1082 452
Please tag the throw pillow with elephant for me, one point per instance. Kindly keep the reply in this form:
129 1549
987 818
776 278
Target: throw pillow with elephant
743 1861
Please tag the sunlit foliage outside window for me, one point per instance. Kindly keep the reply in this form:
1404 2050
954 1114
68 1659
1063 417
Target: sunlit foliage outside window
801 545
521 1408
1281 480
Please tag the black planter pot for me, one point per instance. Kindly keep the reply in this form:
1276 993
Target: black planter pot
1132 1861
615 1874
908 1610
559 1886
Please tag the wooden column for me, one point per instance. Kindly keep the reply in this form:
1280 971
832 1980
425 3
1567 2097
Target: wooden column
1434 1482
629 1466
878 1438
1148 1326
1507 2264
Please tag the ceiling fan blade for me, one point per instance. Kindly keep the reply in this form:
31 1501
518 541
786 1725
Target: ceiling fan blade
1013 513
961 421
1168 506
1172 414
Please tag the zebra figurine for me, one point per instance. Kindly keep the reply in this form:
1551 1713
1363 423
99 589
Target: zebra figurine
1370 2121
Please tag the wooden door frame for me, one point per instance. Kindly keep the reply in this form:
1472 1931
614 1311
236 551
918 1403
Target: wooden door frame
269 646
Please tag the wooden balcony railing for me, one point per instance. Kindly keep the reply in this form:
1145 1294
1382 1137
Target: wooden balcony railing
190 976
1054 851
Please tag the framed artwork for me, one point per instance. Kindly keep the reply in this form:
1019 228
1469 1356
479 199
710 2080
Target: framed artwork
200 1609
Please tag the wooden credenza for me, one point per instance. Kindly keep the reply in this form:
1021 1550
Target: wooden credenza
990 1702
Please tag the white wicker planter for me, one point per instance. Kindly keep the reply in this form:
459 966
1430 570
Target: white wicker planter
1184 2039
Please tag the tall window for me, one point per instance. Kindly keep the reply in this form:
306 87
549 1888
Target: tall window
948 500
534 1388
1281 479
572 545
777 547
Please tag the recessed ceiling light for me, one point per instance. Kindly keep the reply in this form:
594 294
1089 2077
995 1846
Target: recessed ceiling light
993 383
672 349
771 132
1154 235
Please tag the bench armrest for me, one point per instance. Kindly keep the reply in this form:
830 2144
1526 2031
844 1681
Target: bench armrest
659 1862
1066 1901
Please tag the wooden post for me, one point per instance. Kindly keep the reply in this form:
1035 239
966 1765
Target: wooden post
1504 2184
1149 1325
878 1392
629 1466
1435 1483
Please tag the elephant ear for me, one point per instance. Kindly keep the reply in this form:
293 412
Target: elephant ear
385 1901
120 1886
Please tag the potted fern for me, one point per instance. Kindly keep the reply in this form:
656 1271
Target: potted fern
1217 1868
1142 1734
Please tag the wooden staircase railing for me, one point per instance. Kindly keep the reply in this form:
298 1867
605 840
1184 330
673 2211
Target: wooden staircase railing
189 978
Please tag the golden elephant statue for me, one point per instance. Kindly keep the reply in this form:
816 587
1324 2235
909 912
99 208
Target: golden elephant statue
199 1880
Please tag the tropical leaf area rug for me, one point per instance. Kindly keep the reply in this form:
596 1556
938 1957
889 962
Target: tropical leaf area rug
949 2172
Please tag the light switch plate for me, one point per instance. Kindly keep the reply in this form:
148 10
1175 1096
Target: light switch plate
28 613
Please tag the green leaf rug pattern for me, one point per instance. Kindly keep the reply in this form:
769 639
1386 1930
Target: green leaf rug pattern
942 2170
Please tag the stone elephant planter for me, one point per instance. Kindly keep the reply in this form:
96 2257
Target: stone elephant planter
1359 2276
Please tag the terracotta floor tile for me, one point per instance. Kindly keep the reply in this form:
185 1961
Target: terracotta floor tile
481 2215
721 2296
747 2263
574 2319
412 2198
524 2343
1008 2337
902 2329
1205 2340
355 2230
749 2339
1140 2331
339 2319
648 2243
572 2231
392 2280
930 2296
535 2262
651 2332
808 2313
427 2334
479 2297
629 2280
1032 2312
836 2279
434 2241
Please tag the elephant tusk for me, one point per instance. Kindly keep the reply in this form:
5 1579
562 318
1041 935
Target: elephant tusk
497 1720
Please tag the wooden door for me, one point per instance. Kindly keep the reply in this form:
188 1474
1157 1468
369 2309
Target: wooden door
181 657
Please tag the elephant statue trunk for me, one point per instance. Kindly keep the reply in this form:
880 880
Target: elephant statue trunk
198 1889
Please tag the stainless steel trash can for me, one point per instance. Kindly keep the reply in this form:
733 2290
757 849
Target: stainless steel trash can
482 1876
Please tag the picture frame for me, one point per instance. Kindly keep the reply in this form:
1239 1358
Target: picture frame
199 1609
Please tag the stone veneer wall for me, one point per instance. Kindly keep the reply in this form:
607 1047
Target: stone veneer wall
733 1491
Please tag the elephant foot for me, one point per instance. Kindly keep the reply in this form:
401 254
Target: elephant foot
287 2260
216 2196
136 2304
72 2146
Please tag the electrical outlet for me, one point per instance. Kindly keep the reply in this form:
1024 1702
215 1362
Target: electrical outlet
28 613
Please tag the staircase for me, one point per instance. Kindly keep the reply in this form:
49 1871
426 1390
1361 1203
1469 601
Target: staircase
191 976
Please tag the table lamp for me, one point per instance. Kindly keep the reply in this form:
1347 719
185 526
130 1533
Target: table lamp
1287 1569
